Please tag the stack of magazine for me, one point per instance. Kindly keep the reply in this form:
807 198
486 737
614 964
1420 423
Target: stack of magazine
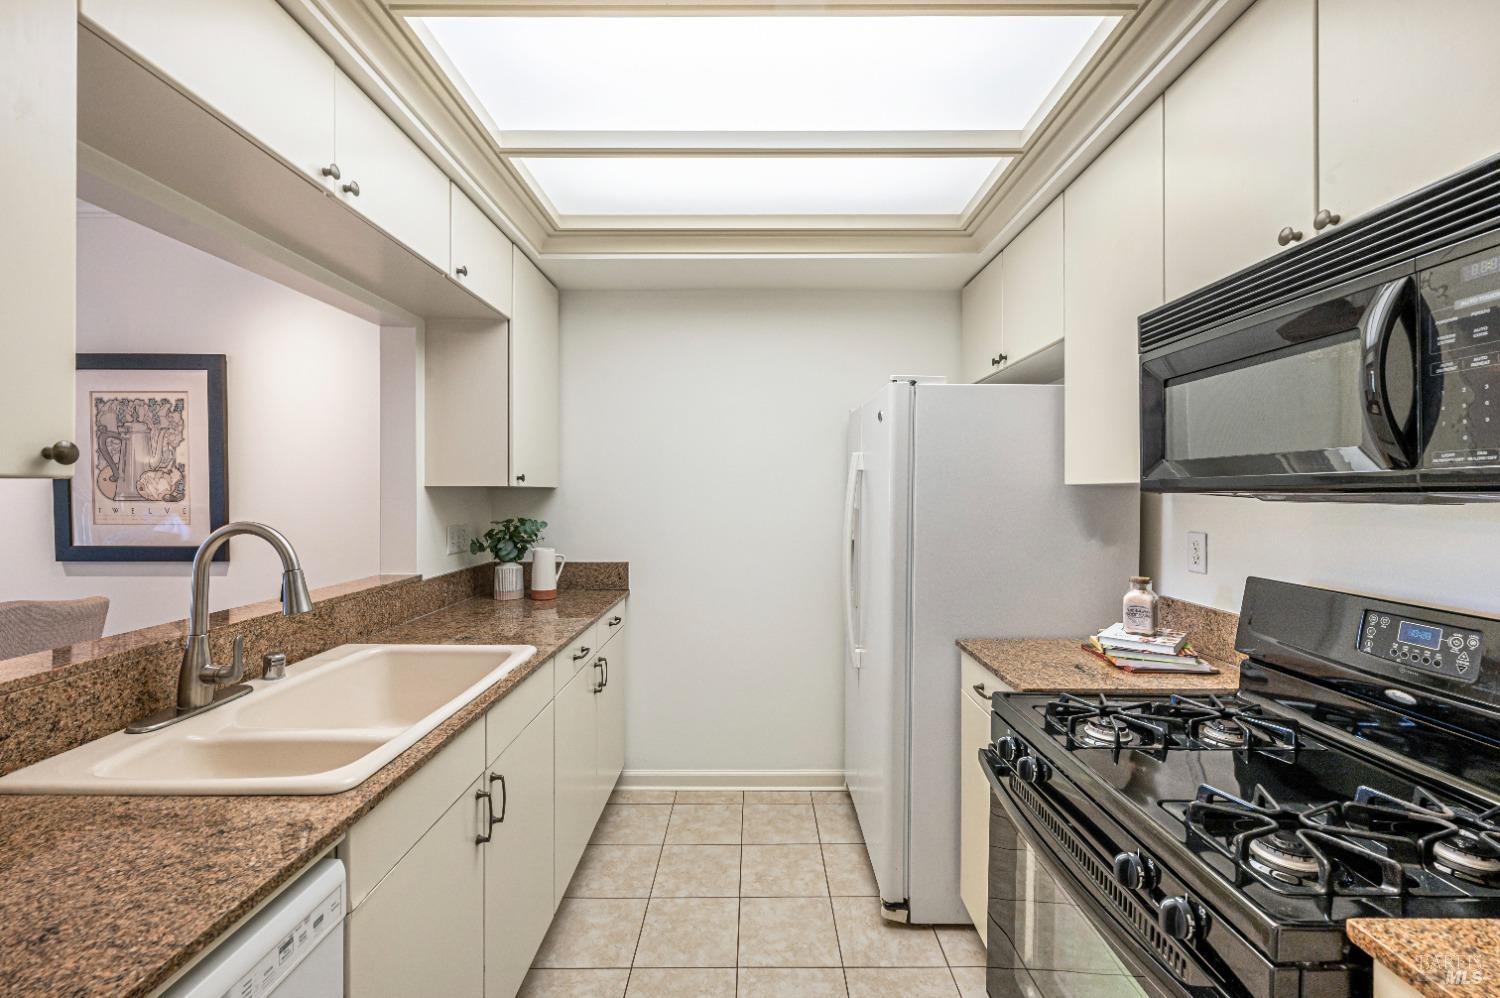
1164 651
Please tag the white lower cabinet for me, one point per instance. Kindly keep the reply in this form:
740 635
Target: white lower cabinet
421 930
609 750
577 774
518 894
974 791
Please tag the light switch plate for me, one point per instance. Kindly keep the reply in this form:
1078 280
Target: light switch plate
458 539
1197 561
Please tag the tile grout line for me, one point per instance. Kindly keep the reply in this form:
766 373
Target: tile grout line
650 892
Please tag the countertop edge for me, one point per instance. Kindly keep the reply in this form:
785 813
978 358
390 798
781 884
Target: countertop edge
1439 957
1059 665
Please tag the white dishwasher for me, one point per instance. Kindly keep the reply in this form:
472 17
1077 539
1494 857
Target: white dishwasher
291 948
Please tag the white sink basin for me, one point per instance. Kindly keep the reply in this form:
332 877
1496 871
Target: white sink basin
328 726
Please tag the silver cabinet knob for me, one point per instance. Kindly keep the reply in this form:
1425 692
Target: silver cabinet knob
998 359
520 478
1288 235
461 271
63 452
332 171
1324 219
352 187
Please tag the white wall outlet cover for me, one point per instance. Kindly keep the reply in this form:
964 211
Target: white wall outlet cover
458 539
1197 552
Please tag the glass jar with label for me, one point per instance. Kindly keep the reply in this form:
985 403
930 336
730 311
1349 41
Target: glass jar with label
1140 606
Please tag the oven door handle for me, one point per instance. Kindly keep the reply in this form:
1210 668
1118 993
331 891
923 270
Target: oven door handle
1395 442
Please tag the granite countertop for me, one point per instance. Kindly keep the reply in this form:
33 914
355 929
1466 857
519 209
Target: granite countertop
111 895
1060 665
1440 957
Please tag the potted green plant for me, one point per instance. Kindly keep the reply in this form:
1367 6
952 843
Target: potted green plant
507 541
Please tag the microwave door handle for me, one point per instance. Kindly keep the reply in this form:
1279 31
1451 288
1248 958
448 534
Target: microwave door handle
1376 329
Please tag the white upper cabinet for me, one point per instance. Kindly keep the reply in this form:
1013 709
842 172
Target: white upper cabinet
1239 146
1031 286
981 353
1113 274
386 178
38 100
246 60
481 255
534 379
1406 96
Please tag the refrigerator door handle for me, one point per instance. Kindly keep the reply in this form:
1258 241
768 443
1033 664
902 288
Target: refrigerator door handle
851 542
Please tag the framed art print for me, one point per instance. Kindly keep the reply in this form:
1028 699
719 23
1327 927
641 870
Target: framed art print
152 480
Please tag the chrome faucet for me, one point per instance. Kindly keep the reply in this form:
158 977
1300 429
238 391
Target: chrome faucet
201 684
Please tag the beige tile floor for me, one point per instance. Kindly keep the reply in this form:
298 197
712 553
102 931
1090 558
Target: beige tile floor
730 894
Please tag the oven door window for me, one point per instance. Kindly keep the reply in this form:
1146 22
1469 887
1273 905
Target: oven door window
1293 401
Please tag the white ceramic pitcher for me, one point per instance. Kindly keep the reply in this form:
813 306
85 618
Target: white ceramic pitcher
546 569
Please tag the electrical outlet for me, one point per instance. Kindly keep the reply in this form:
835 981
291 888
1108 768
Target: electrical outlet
1197 552
458 539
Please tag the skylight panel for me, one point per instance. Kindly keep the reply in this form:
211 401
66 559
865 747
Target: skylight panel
764 73
746 185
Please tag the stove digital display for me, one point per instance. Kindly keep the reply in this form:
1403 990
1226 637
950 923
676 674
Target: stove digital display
1421 635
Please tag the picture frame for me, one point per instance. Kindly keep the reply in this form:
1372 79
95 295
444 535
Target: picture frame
152 479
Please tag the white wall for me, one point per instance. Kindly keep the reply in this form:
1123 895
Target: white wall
1444 555
304 424
703 441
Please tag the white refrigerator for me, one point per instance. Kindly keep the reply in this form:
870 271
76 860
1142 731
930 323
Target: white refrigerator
956 524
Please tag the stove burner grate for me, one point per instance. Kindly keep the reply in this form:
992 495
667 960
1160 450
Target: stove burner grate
1106 723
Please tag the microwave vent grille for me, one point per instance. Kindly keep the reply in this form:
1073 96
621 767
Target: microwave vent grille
1433 218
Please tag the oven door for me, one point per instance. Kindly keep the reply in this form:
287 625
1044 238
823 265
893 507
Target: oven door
1317 396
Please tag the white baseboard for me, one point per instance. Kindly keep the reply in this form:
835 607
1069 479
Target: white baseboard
732 779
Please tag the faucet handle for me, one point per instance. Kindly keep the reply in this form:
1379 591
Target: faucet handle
273 665
237 666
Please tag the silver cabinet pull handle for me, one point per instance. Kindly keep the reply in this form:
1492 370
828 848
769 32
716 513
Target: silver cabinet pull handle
504 798
332 171
582 653
352 187
63 452
1324 219
489 806
616 621
599 664
979 688
1288 235
462 271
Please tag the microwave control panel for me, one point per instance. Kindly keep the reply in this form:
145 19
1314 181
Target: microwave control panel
1452 652
1461 362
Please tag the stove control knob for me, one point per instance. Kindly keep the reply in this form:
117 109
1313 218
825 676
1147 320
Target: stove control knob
1010 748
1134 871
1030 769
1178 918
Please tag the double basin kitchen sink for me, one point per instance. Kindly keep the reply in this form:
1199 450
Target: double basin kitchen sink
328 726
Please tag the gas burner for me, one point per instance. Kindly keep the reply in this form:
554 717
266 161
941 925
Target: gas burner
1106 723
1454 841
1312 850
1232 723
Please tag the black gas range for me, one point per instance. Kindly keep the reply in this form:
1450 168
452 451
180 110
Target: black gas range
1218 843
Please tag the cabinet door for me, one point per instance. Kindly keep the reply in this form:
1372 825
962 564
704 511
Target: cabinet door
1239 146
400 189
481 254
980 349
535 406
518 888
38 192
1031 286
577 775
1405 96
973 813
421 931
611 742
466 402
246 60
1115 203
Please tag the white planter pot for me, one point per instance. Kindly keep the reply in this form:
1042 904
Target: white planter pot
509 580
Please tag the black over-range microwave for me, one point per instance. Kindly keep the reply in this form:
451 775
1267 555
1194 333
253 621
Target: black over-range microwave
1364 365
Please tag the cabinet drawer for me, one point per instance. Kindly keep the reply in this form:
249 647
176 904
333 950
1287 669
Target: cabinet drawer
974 674
612 623
506 719
481 254
575 656
379 839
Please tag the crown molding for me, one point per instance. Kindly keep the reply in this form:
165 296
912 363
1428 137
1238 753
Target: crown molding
733 8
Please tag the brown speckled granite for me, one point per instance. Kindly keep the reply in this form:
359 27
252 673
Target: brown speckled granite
1440 957
1210 631
111 895
595 575
1059 665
